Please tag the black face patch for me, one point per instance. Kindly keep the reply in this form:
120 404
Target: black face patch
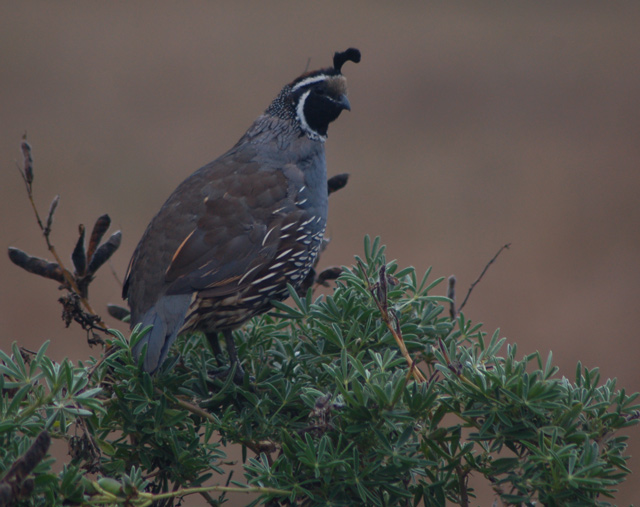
320 110
314 99
320 99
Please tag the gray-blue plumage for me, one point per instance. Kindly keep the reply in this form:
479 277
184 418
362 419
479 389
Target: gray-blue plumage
233 234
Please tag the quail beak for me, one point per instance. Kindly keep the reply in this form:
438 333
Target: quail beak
343 101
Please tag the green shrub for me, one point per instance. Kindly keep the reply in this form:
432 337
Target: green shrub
329 413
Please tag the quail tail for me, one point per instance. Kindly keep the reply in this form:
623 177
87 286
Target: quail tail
166 317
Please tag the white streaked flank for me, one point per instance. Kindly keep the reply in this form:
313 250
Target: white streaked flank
264 240
284 254
248 273
266 277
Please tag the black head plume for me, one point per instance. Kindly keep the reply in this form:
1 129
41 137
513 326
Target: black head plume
350 55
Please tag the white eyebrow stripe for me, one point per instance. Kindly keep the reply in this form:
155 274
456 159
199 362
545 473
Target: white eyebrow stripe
310 80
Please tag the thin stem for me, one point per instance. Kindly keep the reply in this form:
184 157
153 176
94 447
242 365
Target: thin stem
226 489
503 247
395 331
108 497
194 409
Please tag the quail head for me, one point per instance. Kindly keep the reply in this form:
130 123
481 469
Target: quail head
238 230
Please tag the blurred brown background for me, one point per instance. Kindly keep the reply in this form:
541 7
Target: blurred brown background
473 125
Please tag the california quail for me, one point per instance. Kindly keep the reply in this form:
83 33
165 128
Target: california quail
238 230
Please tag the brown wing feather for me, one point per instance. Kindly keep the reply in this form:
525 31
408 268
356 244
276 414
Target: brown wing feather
214 232
235 236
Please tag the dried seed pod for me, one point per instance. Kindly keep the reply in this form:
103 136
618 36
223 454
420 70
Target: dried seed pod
118 312
35 454
79 257
52 210
337 182
28 161
104 252
36 265
100 227
451 294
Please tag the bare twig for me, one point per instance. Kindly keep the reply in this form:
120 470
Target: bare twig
115 275
194 409
462 486
464 302
143 498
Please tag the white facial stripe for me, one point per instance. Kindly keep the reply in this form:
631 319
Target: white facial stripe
309 80
300 111
303 121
